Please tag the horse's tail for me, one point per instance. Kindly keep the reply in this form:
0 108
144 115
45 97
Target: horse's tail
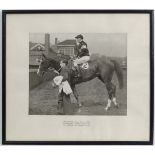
119 73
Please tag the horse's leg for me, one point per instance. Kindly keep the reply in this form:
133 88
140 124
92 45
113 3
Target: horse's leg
111 88
108 89
76 96
112 94
115 102
60 103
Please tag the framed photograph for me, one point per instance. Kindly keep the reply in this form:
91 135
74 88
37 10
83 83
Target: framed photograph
78 77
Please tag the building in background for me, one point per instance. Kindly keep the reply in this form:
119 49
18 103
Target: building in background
67 47
56 51
36 50
37 47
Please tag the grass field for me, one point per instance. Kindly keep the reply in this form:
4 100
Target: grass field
92 94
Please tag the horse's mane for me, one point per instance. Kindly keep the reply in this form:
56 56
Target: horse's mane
53 60
56 63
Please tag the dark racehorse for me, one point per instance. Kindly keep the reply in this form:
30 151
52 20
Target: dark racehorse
103 68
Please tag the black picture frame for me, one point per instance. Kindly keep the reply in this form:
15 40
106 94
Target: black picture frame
6 12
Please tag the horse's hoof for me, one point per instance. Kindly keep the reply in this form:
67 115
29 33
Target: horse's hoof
80 105
79 110
60 113
117 106
107 108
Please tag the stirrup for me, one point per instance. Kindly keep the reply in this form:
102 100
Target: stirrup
77 75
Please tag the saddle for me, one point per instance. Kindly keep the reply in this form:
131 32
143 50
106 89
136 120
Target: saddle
79 69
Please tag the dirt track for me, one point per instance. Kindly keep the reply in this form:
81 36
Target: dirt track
93 95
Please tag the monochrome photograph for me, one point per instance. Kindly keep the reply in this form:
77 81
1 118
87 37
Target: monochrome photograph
78 74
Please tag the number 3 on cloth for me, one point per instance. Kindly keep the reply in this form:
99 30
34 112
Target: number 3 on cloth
85 66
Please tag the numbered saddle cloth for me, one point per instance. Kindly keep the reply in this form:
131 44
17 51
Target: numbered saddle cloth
85 65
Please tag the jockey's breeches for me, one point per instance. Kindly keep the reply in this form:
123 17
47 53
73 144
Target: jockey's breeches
81 60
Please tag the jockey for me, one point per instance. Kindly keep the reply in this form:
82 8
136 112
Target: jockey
83 52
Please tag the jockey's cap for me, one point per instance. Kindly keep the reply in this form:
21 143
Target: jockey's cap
79 36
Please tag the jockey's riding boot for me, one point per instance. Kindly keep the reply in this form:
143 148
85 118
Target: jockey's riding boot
78 72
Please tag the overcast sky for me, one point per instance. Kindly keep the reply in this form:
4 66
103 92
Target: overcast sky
109 44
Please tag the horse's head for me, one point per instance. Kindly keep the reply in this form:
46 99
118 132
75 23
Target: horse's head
46 65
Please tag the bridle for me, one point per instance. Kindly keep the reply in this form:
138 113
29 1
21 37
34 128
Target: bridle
54 70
